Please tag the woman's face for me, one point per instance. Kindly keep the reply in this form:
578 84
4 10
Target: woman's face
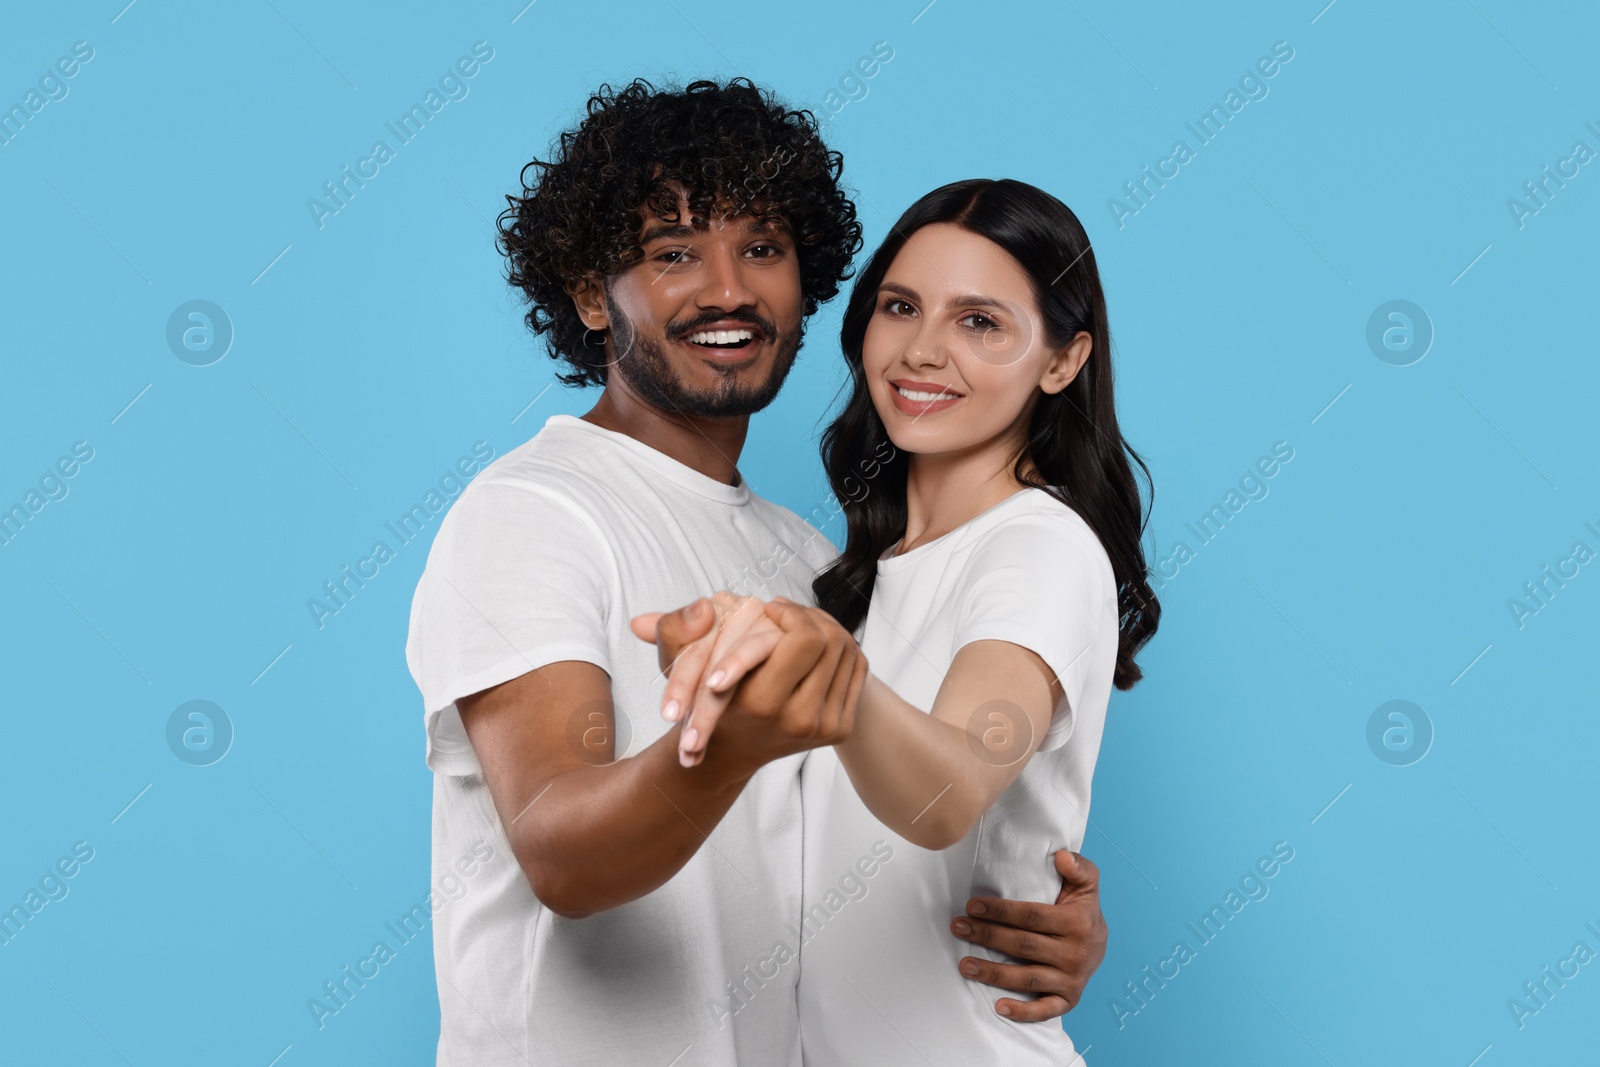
956 316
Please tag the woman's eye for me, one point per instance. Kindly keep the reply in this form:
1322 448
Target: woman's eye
895 306
978 321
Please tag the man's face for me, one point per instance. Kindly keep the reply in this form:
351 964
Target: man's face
709 321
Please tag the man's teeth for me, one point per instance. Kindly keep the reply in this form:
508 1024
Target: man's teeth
912 394
721 337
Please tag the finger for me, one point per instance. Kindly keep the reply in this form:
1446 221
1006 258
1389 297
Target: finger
677 628
707 710
805 710
737 623
703 718
852 700
1022 914
644 626
742 658
775 682
1078 874
736 617
684 677
750 651
838 691
1023 944
1019 979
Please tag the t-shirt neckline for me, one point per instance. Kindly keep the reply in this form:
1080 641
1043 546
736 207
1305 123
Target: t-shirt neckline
893 563
678 473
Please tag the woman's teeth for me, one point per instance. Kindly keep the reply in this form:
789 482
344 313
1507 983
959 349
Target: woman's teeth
721 337
912 394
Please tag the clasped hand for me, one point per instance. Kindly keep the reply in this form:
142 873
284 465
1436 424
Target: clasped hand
802 675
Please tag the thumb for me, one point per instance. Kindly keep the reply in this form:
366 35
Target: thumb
678 628
644 626
1077 872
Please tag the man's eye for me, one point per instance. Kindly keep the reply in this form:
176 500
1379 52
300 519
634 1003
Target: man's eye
765 251
673 255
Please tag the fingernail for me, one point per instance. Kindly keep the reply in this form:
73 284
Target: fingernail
716 679
1004 1009
963 927
969 968
670 712
978 908
691 738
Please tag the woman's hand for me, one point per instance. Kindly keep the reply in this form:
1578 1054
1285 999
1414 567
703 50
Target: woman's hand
688 696
706 685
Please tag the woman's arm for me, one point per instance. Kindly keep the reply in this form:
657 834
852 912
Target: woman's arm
929 776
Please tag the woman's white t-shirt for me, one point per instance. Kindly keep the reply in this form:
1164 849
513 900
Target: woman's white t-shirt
878 979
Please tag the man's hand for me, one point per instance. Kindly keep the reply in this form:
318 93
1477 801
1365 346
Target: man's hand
1066 941
672 631
802 695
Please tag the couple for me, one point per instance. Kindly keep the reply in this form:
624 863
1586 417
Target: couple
773 864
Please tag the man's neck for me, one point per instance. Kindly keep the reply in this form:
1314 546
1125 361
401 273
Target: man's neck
708 445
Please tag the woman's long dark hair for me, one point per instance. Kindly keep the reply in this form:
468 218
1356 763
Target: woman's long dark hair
1074 446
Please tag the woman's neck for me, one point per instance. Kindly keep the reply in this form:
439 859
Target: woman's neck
943 492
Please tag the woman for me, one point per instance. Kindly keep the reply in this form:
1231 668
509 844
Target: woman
994 577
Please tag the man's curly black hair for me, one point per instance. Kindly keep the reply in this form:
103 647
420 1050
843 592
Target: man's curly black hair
735 149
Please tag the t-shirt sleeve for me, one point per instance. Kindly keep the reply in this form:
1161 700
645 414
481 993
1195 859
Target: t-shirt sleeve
517 578
1038 582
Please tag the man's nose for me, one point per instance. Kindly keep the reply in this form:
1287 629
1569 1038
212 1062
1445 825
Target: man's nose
726 286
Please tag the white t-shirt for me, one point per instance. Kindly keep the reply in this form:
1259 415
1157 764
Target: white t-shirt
879 985
545 557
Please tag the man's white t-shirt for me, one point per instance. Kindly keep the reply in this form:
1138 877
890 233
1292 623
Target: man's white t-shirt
545 557
879 985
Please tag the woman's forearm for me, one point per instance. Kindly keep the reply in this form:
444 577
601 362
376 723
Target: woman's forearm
918 774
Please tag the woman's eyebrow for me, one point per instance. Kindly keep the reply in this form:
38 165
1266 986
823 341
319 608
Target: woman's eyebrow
969 300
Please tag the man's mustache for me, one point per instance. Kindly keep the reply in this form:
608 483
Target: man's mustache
678 331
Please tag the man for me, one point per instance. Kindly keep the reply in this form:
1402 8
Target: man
630 910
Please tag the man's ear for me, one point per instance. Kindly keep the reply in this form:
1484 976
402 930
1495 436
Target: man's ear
1065 364
589 297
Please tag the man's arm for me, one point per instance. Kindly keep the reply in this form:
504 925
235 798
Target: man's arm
593 837
1065 943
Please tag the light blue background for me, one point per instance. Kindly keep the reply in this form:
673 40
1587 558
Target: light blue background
376 350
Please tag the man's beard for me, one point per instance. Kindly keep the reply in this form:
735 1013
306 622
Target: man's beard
644 365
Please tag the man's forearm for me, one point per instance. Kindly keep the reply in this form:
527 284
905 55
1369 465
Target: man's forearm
596 837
